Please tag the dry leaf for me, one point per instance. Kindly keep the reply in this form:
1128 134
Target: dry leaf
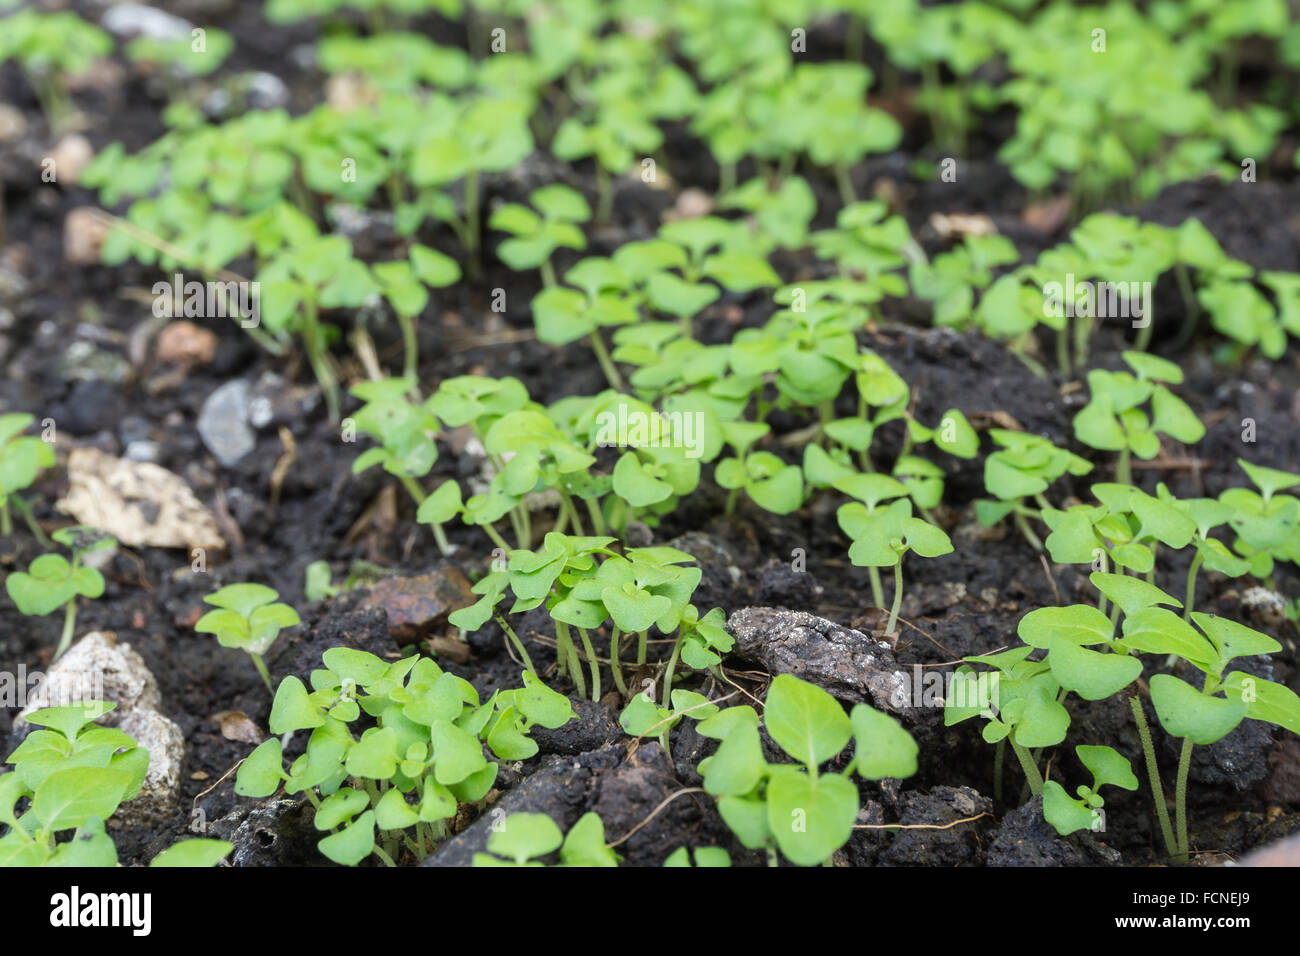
237 725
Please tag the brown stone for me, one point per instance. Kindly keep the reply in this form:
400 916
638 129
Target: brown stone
185 344
418 604
83 233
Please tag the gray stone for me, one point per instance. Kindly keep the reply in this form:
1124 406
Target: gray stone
158 798
223 423
96 667
846 663
136 19
265 91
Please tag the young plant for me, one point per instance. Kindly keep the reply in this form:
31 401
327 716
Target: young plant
403 282
522 839
50 47
396 787
536 235
563 315
698 856
247 617
74 775
1267 524
1068 814
51 581
22 458
804 811
1023 467
1113 421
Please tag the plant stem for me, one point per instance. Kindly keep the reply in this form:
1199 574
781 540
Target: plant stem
672 665
519 645
6 523
877 591
564 646
604 195
898 596
640 648
417 493
1018 517
591 660
1032 776
606 365
1191 586
1180 799
410 346
319 360
1153 774
999 758
471 221
845 184
615 664
69 622
261 669
597 519
495 535
548 273
1123 473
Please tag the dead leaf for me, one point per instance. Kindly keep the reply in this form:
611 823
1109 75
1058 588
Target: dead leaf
1046 217
141 504
238 726
960 224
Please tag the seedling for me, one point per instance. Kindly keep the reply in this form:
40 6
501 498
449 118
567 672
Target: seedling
74 775
564 314
181 56
1112 420
396 787
248 617
803 811
51 581
22 458
1024 467
698 856
523 838
1067 814
882 536
403 283
1267 523
50 47
783 213
536 235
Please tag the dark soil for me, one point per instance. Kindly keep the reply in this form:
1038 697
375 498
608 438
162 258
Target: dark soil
1245 789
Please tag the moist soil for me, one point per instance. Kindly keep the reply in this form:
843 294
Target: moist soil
1244 789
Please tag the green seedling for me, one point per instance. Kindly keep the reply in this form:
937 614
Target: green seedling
395 788
403 282
766 478
882 536
805 812
783 213
642 717
1023 467
22 458
50 47
951 280
1068 814
869 241
51 581
183 57
396 62
537 234
521 839
1267 524
248 617
563 314
698 856
318 582
1112 420
73 776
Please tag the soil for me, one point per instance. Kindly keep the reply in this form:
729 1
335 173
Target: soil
1244 790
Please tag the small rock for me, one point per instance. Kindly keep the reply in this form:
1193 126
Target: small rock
265 91
844 662
13 125
71 155
140 504
136 19
418 604
83 234
223 423
1264 606
277 833
159 795
96 667
82 361
185 344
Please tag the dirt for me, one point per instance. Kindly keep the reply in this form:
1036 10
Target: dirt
1244 792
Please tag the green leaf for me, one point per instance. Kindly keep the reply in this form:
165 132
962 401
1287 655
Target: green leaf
71 719
262 770
1064 812
525 836
352 844
585 844
394 813
459 754
737 766
67 799
1157 630
808 723
1108 767
293 709
810 818
194 853
882 748
89 846
1232 639
1091 675
1265 700
1079 623
925 539
1130 593
1185 711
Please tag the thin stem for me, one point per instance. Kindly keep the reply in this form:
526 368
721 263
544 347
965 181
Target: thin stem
615 664
564 646
672 666
605 195
319 360
1180 799
471 221
640 648
548 273
1032 776
1153 774
69 622
1018 517
261 669
898 596
597 519
606 364
1191 585
999 759
6 523
519 645
591 660
845 184
410 346
1123 473
877 590
495 535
